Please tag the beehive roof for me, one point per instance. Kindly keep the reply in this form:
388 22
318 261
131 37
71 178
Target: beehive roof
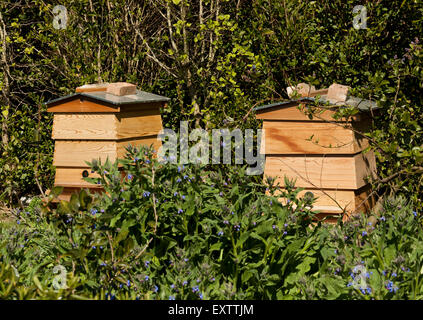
111 99
362 104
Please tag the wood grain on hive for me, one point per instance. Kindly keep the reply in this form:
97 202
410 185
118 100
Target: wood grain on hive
324 155
98 122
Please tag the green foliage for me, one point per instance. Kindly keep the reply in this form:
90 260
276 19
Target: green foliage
165 231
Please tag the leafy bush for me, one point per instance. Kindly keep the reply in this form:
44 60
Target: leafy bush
163 231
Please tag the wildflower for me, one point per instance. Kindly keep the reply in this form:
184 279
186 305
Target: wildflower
369 290
213 279
171 298
18 222
128 283
183 197
178 180
102 264
147 263
367 275
172 286
226 222
232 212
254 223
200 296
274 227
364 233
225 184
195 289
336 251
185 177
220 233
349 284
102 210
130 176
105 172
394 274
147 278
94 247
136 159
186 259
146 194
179 169
384 272
180 210
156 288
185 283
383 218
221 194
270 202
175 194
284 233
147 161
415 213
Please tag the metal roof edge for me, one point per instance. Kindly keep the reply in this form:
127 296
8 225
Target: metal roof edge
98 96
361 104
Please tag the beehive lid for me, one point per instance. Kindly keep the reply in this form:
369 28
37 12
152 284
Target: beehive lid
361 104
111 99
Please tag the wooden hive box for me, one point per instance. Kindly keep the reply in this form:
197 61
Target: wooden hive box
324 155
99 121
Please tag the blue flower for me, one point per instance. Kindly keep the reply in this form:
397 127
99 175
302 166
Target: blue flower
185 177
147 263
93 211
172 286
200 296
212 279
179 169
156 288
130 176
394 274
270 202
147 278
128 283
186 259
18 222
349 284
171 298
285 232
195 289
198 280
136 159
146 194
183 197
175 194
180 210
178 180
220 233
274 227
147 161
185 283
226 222
415 213
364 233
94 247
369 290
383 218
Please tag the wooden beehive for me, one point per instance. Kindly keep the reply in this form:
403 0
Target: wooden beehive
99 121
324 155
